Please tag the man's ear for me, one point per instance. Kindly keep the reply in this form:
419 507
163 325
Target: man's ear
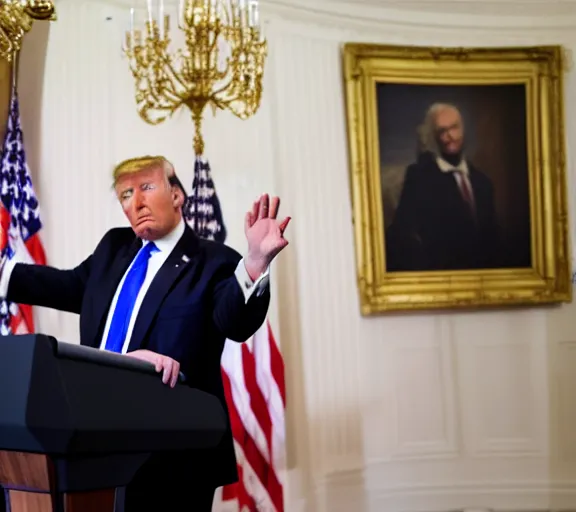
177 197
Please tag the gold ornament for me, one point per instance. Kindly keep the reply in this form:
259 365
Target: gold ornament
222 64
16 19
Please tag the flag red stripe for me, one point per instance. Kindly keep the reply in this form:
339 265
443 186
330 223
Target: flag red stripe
15 321
25 312
4 226
257 400
36 250
261 468
277 365
27 316
239 492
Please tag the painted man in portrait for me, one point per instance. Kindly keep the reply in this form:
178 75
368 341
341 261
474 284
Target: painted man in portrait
445 219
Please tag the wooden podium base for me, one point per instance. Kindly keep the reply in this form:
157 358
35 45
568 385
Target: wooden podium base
29 483
92 501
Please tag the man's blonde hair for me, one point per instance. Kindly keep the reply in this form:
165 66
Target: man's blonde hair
134 165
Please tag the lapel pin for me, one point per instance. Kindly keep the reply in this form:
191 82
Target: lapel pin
185 258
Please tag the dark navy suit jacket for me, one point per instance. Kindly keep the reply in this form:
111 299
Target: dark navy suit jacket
192 306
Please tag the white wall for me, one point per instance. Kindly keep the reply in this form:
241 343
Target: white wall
425 412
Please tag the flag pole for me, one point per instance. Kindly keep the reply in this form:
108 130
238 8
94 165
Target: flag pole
14 78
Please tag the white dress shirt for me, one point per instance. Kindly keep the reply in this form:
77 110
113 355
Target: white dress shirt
165 246
461 175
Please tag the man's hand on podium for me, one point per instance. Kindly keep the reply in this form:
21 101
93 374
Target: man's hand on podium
165 364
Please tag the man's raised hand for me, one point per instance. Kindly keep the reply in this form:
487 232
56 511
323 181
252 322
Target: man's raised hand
264 233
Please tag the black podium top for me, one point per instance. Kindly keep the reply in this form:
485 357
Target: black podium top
63 399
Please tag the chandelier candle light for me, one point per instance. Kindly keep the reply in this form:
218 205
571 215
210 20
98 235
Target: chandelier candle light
16 19
222 64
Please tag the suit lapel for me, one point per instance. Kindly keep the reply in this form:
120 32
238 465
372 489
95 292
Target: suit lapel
105 293
183 257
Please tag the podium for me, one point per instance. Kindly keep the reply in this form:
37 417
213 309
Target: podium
76 423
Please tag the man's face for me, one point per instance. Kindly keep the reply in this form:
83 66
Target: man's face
151 205
449 131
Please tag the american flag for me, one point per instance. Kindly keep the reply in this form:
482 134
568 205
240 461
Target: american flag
19 218
253 376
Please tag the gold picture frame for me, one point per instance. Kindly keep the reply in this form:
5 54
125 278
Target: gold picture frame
403 255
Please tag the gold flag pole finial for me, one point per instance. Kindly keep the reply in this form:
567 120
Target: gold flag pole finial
16 19
42 10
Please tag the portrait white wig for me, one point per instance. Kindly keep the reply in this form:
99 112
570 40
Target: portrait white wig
427 130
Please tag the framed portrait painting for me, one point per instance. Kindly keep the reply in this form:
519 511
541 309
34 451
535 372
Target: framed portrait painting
457 166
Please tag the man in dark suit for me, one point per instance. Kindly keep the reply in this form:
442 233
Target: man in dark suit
159 293
445 219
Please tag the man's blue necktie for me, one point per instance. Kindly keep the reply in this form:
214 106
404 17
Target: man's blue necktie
127 298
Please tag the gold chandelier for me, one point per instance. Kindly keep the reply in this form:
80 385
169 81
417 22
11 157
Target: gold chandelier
221 64
16 19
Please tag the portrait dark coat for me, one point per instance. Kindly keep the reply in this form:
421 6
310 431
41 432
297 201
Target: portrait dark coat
435 229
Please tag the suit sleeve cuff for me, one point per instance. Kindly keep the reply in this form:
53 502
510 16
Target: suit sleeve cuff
248 286
7 268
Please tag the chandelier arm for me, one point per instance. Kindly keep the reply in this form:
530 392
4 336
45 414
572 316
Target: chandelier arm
150 120
214 43
176 77
237 112
231 83
230 89
173 99
143 111
216 102
167 103
224 87
155 104
152 103
230 103
152 90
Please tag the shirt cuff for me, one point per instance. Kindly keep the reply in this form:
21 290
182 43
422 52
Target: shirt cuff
7 266
248 286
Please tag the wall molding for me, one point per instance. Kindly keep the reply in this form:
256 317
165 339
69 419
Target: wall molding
340 492
352 15
535 16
